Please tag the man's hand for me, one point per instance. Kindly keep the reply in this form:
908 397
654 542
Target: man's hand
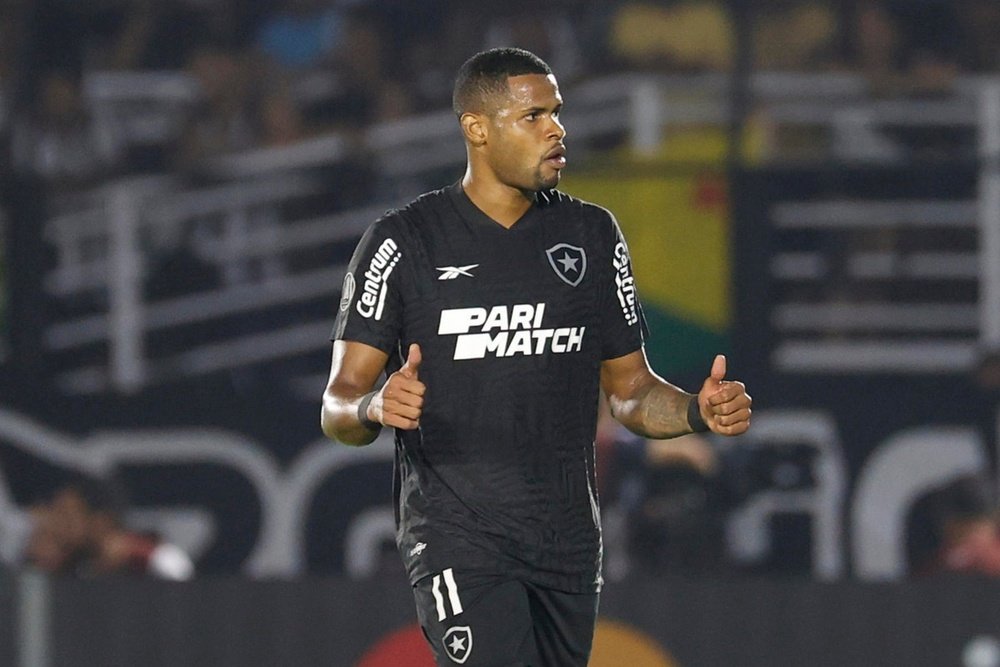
400 401
724 404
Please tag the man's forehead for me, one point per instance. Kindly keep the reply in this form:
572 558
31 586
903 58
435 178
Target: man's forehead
529 90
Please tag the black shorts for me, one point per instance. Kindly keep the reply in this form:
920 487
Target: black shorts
492 621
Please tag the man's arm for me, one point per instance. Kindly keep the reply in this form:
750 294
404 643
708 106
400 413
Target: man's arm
650 406
353 371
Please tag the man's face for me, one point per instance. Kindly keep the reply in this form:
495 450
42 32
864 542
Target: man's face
524 145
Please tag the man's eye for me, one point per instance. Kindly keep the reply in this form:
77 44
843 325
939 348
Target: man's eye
531 116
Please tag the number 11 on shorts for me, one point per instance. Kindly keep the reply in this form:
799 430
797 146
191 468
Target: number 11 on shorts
452 589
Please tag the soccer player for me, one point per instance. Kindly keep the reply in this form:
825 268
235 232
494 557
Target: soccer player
499 307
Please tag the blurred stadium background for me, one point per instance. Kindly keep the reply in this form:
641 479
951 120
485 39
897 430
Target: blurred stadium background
811 187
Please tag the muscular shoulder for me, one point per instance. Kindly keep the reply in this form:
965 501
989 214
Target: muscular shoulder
567 204
428 204
580 211
406 222
403 224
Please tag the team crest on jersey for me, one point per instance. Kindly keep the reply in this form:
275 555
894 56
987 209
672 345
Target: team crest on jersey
458 643
568 261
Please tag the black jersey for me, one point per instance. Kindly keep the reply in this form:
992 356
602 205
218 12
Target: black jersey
513 325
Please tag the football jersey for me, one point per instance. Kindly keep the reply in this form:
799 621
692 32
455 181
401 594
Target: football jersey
513 325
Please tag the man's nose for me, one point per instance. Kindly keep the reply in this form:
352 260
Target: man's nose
556 129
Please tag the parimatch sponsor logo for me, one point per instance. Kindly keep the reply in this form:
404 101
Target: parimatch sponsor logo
372 299
625 284
506 331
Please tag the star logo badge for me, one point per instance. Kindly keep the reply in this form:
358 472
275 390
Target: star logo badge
458 643
568 261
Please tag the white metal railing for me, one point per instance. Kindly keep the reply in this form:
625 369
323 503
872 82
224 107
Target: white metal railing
989 216
852 320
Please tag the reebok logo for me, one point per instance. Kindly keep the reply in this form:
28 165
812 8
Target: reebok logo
506 331
372 299
452 272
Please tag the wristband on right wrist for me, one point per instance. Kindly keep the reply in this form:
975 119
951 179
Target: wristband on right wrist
363 412
695 420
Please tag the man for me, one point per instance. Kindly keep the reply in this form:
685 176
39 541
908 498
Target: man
79 530
499 308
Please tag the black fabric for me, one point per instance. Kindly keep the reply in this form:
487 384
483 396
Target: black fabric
503 622
513 325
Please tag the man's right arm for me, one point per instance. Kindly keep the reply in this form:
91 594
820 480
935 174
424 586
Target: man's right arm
353 371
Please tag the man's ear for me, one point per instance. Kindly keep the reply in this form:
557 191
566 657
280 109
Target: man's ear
474 127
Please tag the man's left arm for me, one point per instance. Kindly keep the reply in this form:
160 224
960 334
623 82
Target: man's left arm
650 406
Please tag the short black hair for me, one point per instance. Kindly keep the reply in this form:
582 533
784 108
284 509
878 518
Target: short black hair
485 75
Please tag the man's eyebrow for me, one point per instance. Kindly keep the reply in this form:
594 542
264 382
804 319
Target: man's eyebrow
536 108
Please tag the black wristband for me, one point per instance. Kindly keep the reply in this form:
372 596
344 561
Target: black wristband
363 412
695 421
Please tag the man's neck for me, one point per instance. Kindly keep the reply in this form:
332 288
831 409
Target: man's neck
504 204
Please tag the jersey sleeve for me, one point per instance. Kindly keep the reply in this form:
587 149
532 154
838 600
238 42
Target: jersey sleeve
371 306
622 321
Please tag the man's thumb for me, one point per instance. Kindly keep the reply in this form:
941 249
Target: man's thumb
719 368
413 359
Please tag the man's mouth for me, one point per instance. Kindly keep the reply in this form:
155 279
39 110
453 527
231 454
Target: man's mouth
556 158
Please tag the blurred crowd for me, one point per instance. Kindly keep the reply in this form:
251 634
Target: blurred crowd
272 72
956 528
667 504
80 529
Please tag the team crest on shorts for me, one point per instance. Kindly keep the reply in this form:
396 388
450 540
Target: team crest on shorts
568 261
458 643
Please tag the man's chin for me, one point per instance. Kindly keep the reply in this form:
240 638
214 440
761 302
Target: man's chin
549 182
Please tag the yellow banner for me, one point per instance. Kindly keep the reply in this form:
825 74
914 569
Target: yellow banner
677 229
